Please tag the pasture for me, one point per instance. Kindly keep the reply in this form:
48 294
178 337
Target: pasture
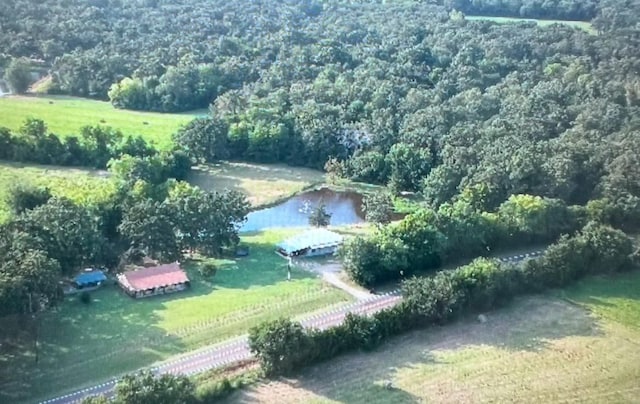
83 344
263 184
66 115
585 26
80 185
580 344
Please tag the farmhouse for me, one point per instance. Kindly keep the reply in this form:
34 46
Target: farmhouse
156 280
311 243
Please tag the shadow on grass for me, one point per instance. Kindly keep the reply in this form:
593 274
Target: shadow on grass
614 297
87 344
80 344
529 324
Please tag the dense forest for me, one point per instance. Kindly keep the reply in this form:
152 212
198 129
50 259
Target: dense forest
406 94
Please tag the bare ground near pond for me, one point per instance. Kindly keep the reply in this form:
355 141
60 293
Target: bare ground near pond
262 183
540 349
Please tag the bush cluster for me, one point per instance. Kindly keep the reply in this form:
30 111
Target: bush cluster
283 346
94 147
427 239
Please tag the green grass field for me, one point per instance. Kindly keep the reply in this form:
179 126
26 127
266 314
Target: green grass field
66 115
263 184
585 26
80 185
84 344
577 345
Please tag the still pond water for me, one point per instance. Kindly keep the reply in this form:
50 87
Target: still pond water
344 207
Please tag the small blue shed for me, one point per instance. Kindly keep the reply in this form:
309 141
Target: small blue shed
90 279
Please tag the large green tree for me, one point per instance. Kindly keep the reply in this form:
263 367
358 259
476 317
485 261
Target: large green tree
204 139
69 233
18 75
149 225
207 221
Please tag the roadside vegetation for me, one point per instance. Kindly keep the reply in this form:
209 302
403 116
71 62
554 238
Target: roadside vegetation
570 344
283 346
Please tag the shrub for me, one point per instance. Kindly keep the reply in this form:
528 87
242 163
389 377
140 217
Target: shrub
208 270
85 297
280 345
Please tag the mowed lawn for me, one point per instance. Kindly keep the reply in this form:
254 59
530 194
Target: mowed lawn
583 25
578 345
262 183
66 115
77 184
86 344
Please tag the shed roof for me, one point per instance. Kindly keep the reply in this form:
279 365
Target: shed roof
87 278
316 238
154 277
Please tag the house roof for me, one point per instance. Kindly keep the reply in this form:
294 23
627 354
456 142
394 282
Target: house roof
316 238
90 277
154 277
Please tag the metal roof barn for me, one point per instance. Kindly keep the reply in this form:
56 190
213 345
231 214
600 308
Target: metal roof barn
156 280
311 243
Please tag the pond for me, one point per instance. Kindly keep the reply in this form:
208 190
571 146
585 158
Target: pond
345 208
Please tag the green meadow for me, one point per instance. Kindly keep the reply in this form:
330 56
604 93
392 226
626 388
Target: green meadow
82 344
66 115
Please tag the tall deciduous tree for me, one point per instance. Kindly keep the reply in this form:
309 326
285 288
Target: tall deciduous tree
204 139
18 75
150 225
70 233
205 221
28 276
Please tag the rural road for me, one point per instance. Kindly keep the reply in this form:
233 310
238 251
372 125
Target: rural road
237 349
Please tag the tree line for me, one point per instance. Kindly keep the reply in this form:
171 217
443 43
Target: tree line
404 94
283 346
580 10
94 147
430 238
50 238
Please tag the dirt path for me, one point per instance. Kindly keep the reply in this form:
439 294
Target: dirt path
330 270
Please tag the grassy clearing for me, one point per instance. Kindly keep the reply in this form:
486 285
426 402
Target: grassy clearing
263 184
539 349
66 115
585 26
82 345
80 185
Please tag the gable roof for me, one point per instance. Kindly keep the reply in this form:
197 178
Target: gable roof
316 238
154 277
90 277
